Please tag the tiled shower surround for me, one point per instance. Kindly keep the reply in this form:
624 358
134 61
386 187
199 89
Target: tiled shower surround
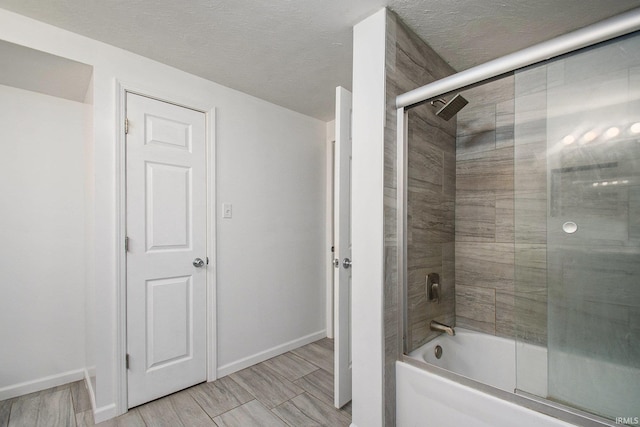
484 209
484 223
462 219
461 213
500 259
472 155
489 195
411 63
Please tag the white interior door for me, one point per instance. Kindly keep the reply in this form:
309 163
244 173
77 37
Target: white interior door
342 244
166 230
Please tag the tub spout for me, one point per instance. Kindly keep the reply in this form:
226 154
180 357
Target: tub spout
441 327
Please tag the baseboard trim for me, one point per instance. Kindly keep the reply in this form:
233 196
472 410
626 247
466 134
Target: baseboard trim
43 383
238 365
88 373
105 413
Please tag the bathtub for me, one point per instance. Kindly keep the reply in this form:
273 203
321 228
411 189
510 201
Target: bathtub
426 399
435 395
489 359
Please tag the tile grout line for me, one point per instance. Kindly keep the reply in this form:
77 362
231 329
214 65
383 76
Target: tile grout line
236 407
200 406
140 413
319 391
278 416
39 407
282 378
10 410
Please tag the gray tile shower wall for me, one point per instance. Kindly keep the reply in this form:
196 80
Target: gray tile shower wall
430 221
530 207
411 63
484 234
501 203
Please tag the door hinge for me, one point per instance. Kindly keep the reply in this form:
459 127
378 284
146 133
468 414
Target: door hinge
207 260
126 360
126 243
126 126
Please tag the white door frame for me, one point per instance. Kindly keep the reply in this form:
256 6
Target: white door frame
121 273
329 254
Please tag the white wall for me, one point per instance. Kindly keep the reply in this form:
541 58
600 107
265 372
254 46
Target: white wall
42 227
368 219
270 165
271 288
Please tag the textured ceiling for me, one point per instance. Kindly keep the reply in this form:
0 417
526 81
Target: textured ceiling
295 52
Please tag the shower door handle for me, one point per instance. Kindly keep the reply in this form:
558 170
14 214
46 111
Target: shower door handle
346 263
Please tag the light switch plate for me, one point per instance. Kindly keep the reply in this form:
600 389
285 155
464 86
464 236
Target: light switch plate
227 210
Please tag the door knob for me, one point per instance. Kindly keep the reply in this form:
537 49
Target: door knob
198 262
346 263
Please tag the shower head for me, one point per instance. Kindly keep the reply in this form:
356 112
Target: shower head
451 108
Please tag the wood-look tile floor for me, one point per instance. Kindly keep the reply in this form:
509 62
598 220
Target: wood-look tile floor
293 389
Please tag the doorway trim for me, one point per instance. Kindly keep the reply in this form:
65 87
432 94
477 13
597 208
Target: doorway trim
329 253
120 347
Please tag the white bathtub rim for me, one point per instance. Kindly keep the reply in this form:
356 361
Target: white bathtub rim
462 332
506 375
453 404
526 400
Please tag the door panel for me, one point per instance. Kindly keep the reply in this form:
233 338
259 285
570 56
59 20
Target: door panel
167 207
169 321
342 243
166 227
164 131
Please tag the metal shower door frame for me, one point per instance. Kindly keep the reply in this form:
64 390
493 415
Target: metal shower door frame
603 31
608 29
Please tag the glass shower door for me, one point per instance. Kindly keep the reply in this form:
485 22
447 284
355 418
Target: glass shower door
589 151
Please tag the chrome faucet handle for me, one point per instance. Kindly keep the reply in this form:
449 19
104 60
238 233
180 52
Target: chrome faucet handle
433 287
435 291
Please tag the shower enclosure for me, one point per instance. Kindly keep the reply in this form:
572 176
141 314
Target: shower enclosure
525 207
577 184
